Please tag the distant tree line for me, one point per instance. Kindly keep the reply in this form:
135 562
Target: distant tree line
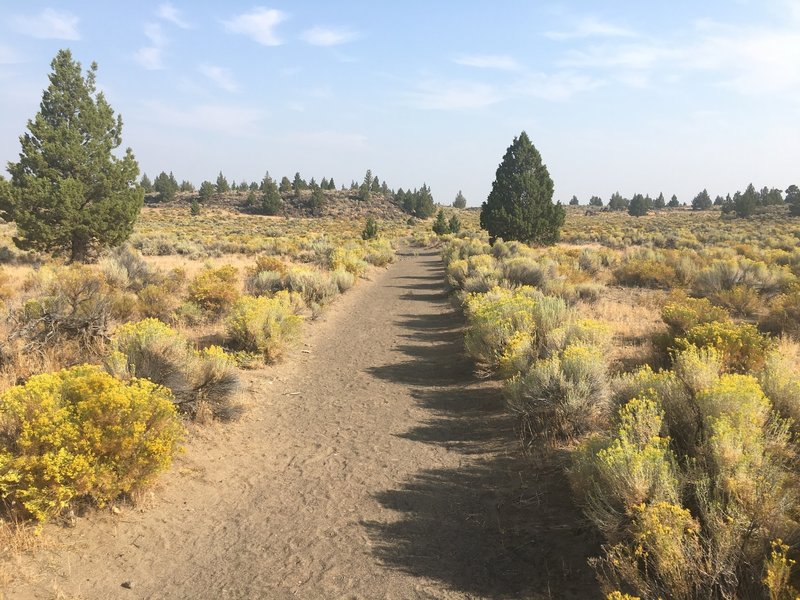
742 204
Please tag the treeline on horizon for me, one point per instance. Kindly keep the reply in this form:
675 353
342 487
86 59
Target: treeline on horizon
268 195
742 204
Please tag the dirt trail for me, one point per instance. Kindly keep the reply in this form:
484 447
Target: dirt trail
370 465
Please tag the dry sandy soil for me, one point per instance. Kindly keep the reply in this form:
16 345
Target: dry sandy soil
371 464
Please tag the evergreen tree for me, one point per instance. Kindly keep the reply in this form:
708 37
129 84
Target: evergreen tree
424 205
771 197
298 183
719 200
186 186
324 183
146 184
728 205
702 201
313 183
69 192
639 205
617 202
376 185
673 202
207 190
793 200
595 201
194 209
454 224
285 186
659 202
166 186
745 204
222 184
253 186
317 200
271 202
574 201
384 188
331 184
520 205
460 201
440 224
370 230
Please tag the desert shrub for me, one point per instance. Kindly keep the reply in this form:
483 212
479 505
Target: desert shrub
264 283
783 315
722 275
585 332
684 313
780 381
158 302
72 303
264 325
483 274
457 272
646 272
153 350
561 397
379 253
81 433
349 259
494 319
614 476
523 270
265 262
740 300
343 280
215 289
314 286
124 267
741 347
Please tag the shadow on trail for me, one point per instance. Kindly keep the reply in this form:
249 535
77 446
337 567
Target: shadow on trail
501 525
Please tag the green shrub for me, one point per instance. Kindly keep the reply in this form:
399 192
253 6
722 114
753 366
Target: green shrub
780 381
524 270
264 325
81 433
314 286
343 280
646 272
215 289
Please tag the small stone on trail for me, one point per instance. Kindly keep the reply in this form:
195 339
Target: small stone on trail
128 585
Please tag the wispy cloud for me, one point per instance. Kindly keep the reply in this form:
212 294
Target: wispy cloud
556 87
49 24
454 95
234 121
9 56
488 61
168 12
328 36
591 27
258 24
220 76
326 139
151 57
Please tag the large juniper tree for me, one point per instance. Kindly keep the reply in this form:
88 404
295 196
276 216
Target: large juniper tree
69 192
520 205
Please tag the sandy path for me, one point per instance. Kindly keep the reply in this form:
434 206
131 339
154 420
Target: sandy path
370 465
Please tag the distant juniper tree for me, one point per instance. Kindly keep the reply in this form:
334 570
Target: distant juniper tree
222 184
384 188
595 201
728 205
312 184
574 201
366 187
324 183
194 208
271 202
70 192
639 205
454 224
702 201
253 186
207 189
376 185
617 202
745 204
370 231
673 202
146 184
186 186
331 184
440 224
286 185
317 201
166 186
424 202
719 200
793 200
659 202
460 201
771 197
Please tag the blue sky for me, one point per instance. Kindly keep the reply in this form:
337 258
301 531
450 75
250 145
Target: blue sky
627 95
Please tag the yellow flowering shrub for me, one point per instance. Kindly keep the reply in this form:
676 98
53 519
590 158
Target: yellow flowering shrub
685 313
265 325
215 289
742 348
349 259
82 433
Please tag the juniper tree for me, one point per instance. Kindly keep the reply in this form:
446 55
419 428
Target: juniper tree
460 201
166 186
222 184
702 201
146 184
793 200
454 224
520 205
69 192
440 224
574 201
673 202
660 202
285 186
207 190
271 198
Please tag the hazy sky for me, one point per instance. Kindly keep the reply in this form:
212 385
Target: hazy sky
635 96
